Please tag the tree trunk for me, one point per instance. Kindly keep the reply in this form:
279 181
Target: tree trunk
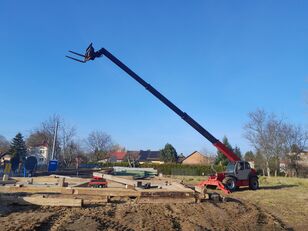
263 171
268 172
277 166
268 169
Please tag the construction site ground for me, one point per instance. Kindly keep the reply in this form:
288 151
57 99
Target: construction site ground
280 204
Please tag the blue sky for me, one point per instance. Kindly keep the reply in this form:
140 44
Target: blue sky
216 60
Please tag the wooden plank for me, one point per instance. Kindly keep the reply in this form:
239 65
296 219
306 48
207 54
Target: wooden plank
42 180
61 181
3 182
75 191
52 179
107 192
54 201
43 201
180 186
119 168
120 180
36 189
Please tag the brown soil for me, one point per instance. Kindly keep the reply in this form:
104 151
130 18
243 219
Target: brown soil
232 215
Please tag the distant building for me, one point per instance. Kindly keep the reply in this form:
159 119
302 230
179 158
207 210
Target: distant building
132 155
117 156
283 166
140 156
196 158
150 157
4 157
41 153
303 159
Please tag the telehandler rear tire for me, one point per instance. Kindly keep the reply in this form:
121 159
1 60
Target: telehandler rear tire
253 183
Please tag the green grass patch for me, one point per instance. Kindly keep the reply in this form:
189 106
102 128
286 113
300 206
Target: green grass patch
272 181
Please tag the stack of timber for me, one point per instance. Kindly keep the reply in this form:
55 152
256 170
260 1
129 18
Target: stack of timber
52 180
53 191
136 172
166 196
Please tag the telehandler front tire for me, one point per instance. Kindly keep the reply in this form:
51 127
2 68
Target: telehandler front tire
229 183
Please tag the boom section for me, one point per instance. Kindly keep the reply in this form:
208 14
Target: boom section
91 55
220 146
161 97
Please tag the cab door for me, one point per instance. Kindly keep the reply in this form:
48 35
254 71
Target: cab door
242 170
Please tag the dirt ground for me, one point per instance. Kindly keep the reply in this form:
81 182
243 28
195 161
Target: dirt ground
233 215
274 207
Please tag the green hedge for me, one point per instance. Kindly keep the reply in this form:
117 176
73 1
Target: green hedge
185 170
172 168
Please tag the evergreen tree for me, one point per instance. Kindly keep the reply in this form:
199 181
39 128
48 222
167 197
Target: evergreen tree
237 151
18 147
221 158
249 156
168 153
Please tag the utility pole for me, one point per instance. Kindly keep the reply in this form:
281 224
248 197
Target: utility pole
54 139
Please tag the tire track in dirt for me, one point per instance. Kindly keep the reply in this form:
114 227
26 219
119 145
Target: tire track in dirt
50 223
81 219
233 215
274 218
262 220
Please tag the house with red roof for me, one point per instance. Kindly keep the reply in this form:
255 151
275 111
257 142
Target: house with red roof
117 156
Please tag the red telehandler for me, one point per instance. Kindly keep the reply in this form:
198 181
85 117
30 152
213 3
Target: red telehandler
238 172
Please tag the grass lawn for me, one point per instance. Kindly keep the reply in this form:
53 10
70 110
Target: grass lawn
285 198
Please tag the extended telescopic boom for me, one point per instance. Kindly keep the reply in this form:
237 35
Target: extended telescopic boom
91 55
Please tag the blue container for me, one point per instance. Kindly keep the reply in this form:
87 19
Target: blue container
52 166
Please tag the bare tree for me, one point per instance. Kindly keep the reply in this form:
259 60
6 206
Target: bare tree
296 140
37 137
4 144
44 134
66 147
69 147
71 152
99 144
277 140
265 133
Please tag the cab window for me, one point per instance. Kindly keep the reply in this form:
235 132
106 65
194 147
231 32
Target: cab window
247 165
240 166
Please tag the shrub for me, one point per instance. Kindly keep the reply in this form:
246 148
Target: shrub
185 170
168 168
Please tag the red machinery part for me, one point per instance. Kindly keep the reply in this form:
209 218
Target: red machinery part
98 182
226 151
215 180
